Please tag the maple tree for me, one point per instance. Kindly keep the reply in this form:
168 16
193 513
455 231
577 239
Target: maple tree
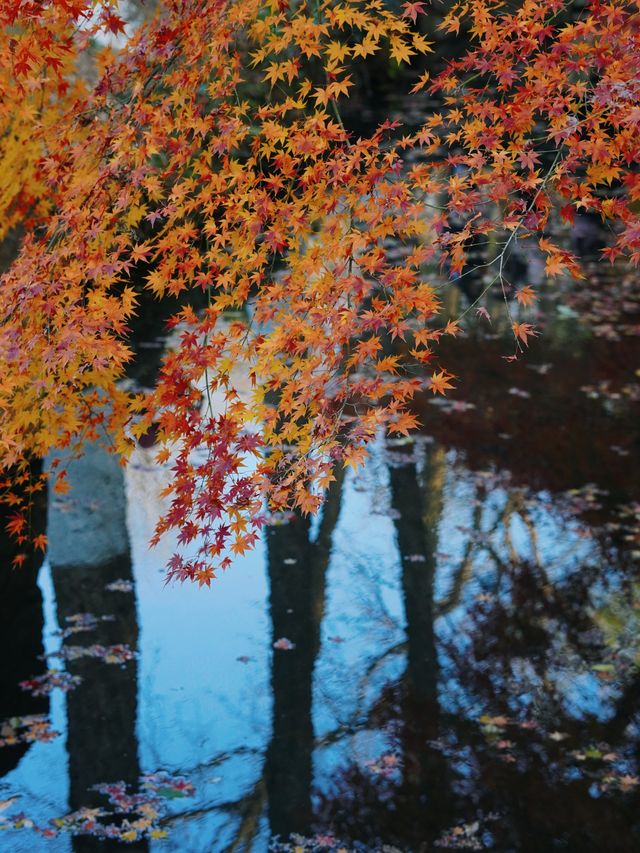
203 152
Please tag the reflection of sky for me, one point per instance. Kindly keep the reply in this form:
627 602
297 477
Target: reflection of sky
201 712
363 618
204 713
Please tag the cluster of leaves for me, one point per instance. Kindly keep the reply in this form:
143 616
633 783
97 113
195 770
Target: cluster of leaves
119 653
160 165
610 306
130 816
323 843
80 622
466 836
42 685
611 771
27 729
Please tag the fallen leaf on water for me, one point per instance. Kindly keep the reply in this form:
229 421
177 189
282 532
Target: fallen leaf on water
500 722
627 782
4 804
82 622
519 392
119 586
42 685
119 653
28 729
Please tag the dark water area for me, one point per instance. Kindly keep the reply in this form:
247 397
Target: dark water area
447 658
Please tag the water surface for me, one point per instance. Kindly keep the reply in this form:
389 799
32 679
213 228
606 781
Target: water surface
446 658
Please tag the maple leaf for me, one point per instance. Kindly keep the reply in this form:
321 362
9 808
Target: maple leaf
307 502
528 158
439 382
452 328
390 364
525 295
523 331
567 213
421 83
16 524
404 422
61 485
400 51
412 10
355 456
39 542
555 264
112 22
451 22
141 252
205 576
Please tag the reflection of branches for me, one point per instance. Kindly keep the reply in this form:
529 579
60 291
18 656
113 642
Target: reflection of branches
371 601
464 572
248 807
502 660
515 503
507 512
219 760
250 810
525 515
372 666
479 542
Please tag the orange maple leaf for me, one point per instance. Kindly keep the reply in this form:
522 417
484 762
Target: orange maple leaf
526 296
439 382
524 331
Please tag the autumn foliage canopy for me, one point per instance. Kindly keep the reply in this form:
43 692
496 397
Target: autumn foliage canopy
203 153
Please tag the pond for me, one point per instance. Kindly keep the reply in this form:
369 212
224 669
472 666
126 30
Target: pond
446 658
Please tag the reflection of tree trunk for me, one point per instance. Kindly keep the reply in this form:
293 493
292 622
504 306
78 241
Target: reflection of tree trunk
297 608
89 549
418 510
21 625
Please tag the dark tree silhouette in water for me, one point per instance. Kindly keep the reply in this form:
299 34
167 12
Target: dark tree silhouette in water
21 627
89 549
297 576
418 504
